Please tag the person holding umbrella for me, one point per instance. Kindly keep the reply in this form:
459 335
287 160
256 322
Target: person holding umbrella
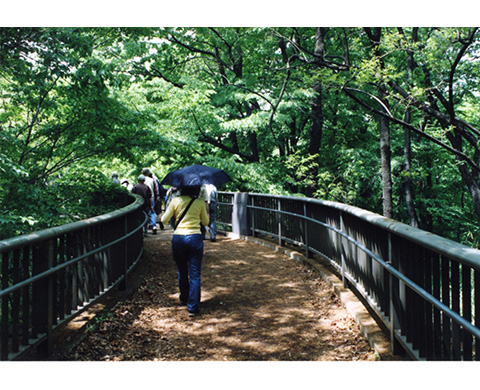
187 243
196 175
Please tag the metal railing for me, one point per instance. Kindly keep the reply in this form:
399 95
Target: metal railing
224 209
423 289
49 277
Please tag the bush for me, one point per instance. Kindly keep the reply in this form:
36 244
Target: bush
26 207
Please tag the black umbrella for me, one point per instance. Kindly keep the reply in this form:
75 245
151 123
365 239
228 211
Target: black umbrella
196 175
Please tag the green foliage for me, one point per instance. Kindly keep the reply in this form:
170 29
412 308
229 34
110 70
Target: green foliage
79 103
76 195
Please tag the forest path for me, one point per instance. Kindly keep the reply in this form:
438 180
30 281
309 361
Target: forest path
257 304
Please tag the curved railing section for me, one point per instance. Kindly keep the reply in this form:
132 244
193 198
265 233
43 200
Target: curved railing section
423 289
51 276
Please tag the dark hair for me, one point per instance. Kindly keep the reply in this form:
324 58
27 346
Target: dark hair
192 191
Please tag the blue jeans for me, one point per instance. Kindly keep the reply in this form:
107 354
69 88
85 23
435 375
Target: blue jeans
152 217
188 254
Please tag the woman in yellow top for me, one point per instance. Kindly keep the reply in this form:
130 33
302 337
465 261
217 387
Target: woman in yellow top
187 243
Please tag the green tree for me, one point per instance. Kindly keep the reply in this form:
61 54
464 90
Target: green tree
381 118
60 107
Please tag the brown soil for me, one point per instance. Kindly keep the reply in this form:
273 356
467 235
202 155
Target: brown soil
257 304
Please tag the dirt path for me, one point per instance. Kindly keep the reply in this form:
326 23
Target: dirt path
256 305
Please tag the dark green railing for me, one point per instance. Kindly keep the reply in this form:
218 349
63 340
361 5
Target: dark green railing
51 276
423 289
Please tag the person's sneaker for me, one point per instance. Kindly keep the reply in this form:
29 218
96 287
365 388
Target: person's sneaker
161 225
154 231
193 313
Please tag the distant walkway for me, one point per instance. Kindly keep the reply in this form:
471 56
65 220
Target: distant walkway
257 304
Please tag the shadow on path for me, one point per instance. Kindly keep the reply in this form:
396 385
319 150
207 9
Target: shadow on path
257 304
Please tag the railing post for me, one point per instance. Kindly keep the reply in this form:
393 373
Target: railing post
45 291
4 308
253 214
123 284
16 303
342 251
305 224
394 301
25 295
51 278
239 214
280 242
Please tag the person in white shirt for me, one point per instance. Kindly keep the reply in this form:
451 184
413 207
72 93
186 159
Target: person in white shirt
208 193
152 217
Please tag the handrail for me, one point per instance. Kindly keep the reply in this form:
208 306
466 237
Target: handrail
13 243
49 277
415 287
424 289
466 255
53 270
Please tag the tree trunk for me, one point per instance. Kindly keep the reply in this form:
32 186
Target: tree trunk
469 175
409 193
471 180
407 149
252 138
385 158
316 127
384 122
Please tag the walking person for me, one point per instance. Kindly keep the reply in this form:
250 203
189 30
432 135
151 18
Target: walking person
159 199
115 178
172 192
152 216
209 194
187 244
125 183
144 191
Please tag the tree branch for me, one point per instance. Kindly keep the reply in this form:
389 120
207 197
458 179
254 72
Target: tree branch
214 142
460 54
388 115
275 107
156 73
34 119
